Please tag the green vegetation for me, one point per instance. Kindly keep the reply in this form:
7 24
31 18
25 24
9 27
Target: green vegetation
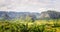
52 25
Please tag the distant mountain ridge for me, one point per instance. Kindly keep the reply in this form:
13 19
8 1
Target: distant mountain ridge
13 15
50 15
35 16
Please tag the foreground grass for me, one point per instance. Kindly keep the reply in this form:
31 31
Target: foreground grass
37 26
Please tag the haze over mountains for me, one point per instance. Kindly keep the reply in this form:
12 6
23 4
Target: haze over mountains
43 15
17 15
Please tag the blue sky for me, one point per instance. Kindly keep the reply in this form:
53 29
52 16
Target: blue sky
29 5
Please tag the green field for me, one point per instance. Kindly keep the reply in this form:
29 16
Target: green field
52 25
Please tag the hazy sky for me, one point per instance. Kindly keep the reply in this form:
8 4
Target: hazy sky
29 5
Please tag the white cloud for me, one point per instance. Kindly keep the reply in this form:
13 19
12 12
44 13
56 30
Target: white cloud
29 5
